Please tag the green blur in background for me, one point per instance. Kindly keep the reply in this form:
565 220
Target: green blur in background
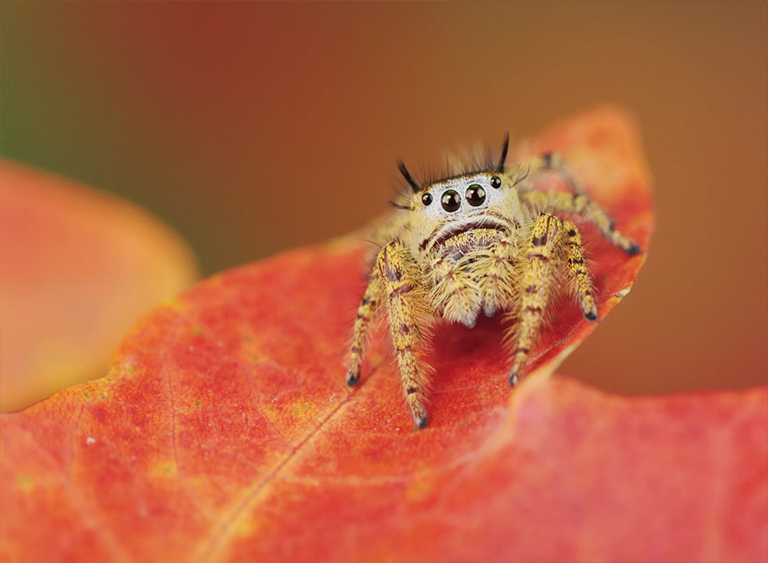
252 128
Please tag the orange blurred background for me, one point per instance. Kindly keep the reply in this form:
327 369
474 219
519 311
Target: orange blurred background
252 128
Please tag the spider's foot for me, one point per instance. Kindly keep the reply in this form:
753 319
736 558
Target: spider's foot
633 249
352 379
419 411
591 313
514 379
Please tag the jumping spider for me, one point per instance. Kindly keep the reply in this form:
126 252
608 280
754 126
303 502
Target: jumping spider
480 241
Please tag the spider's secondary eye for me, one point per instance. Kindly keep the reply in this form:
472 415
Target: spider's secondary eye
450 201
426 199
496 182
475 195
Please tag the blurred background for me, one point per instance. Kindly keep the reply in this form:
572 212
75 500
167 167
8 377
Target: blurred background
252 128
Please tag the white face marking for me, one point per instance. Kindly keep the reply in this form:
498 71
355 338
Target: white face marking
460 186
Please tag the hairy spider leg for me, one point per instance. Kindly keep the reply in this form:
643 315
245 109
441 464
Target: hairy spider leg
551 240
365 312
580 204
577 270
395 280
406 308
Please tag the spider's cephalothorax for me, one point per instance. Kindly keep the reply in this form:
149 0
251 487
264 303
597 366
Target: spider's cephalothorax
482 241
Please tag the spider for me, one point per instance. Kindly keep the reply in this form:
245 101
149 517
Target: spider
484 240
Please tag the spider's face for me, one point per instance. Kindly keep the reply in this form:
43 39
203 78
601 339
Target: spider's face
461 196
461 199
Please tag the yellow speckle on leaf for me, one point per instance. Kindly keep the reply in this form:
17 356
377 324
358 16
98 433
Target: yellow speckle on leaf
417 489
166 469
244 529
300 409
24 482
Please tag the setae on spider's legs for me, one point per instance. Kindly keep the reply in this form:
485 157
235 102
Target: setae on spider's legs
578 274
405 297
496 289
455 292
551 239
581 204
365 312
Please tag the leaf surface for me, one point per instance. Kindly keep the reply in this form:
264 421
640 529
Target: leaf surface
79 269
224 430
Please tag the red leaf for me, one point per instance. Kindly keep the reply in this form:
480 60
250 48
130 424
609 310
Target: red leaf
225 432
79 269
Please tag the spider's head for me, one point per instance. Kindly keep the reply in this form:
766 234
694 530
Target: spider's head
466 198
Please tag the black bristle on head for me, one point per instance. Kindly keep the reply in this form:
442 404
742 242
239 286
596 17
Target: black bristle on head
504 150
407 175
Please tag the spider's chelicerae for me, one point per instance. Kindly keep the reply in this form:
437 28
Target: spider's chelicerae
481 241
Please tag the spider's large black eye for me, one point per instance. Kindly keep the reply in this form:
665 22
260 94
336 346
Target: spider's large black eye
426 199
475 195
450 200
496 182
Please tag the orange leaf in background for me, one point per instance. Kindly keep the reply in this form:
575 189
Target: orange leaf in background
79 269
224 431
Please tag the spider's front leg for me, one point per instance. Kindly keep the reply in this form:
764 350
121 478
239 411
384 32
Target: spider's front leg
552 239
578 202
397 280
